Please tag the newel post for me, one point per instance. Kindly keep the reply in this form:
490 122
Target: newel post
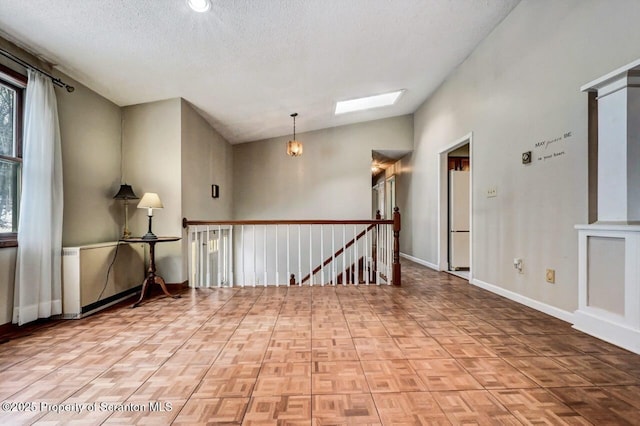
395 277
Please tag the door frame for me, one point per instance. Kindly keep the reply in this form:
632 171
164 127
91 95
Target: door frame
443 202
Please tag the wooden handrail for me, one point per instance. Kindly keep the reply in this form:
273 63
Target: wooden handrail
338 253
186 222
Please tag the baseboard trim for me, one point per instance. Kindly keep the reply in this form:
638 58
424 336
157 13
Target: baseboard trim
183 284
524 300
616 334
420 261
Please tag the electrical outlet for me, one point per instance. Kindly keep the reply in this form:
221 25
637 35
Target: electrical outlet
492 192
518 264
550 276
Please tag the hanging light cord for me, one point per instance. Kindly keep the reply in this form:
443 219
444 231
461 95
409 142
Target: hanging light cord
294 115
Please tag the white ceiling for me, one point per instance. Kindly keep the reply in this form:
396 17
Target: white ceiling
247 64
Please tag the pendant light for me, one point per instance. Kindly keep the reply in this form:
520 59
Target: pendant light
294 147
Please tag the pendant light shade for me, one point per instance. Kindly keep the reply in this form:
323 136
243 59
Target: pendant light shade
294 147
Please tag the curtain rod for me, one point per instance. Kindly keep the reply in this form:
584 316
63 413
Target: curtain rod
19 61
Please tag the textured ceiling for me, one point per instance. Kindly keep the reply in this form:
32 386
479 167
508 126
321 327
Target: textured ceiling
247 64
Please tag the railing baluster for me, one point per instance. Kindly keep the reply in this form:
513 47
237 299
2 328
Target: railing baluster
310 255
321 255
207 267
345 275
264 255
203 259
389 254
386 254
277 275
206 279
244 278
255 275
224 234
299 256
356 260
189 257
383 250
230 257
288 259
333 256
376 263
200 258
218 247
365 263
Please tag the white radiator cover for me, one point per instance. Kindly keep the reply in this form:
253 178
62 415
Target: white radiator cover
84 273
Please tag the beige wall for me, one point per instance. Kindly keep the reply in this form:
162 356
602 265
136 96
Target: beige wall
151 153
331 180
90 132
520 87
206 160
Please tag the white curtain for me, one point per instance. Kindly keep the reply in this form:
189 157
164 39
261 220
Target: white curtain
38 288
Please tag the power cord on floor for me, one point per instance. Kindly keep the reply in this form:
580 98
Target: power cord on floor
106 281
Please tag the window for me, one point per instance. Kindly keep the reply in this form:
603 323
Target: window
12 87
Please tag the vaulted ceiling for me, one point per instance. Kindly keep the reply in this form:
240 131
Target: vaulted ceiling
247 64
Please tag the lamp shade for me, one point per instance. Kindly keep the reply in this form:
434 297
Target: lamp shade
294 148
150 200
125 193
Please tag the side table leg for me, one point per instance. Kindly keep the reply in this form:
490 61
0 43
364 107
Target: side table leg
142 292
160 280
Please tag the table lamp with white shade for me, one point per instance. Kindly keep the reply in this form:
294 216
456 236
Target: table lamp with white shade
150 201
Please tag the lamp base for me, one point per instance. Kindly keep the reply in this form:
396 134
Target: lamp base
149 236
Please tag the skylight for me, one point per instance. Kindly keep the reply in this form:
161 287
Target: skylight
368 102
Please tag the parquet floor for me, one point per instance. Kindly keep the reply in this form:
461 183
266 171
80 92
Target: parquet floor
436 351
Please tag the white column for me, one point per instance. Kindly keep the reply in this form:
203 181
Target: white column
618 145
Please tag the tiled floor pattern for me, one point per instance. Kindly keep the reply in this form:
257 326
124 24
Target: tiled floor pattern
435 351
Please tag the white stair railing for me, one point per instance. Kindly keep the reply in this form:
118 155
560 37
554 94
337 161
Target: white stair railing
303 252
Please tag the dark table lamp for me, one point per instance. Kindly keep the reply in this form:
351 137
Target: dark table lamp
126 193
150 201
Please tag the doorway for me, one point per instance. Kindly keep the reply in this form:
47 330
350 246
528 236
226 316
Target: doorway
384 166
455 208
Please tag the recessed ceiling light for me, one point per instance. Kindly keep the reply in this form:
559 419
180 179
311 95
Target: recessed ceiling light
199 5
368 102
